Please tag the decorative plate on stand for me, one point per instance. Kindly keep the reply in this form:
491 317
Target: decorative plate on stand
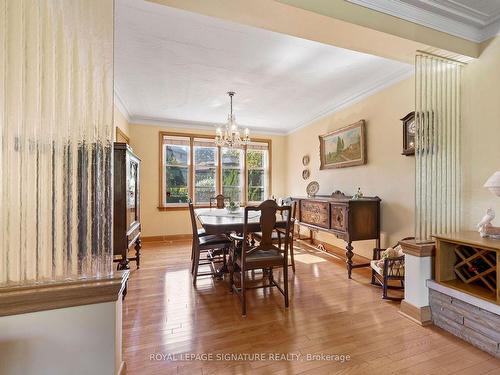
312 188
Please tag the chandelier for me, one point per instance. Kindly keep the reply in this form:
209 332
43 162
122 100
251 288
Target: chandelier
230 136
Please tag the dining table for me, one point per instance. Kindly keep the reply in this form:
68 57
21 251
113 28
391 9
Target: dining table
220 220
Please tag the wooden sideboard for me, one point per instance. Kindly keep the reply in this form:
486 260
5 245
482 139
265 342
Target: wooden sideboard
348 218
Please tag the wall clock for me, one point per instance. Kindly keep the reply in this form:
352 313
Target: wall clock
409 133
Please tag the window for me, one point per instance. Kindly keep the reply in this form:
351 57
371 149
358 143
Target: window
205 170
176 160
193 166
258 172
232 173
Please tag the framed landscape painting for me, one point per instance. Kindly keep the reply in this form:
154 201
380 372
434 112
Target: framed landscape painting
343 147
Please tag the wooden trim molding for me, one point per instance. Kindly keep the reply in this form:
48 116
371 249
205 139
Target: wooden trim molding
120 135
123 369
167 237
419 315
23 299
411 247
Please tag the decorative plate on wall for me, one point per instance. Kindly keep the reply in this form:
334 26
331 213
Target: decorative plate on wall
306 173
312 188
305 160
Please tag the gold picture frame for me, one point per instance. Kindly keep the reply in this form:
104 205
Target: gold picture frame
344 147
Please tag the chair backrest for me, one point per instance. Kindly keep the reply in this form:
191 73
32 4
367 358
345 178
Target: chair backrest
194 227
293 204
268 222
217 201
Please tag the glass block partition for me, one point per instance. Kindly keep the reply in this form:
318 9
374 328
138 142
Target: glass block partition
56 115
437 149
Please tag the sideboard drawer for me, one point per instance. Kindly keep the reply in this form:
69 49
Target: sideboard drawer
339 217
315 213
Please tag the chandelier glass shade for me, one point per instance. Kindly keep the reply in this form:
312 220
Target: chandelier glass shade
230 136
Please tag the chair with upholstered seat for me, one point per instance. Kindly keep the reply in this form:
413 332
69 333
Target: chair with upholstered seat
245 257
214 246
278 234
388 269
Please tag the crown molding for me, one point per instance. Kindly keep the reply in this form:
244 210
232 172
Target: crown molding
195 125
380 85
121 105
432 20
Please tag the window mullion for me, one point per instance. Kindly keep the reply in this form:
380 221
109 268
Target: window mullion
191 170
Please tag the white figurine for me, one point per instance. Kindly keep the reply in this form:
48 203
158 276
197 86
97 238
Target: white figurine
486 222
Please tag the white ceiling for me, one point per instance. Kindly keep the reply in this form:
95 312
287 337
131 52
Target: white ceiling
172 65
475 20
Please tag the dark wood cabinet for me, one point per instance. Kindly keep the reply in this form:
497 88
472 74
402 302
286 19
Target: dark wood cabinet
347 218
126 218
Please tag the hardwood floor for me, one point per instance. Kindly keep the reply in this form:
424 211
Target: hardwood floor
164 315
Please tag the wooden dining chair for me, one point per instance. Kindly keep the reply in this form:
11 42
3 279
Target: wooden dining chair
217 201
245 257
278 234
215 246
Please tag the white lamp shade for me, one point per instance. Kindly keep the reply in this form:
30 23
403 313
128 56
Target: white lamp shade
493 183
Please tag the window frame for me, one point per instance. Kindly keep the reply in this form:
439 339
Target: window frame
163 206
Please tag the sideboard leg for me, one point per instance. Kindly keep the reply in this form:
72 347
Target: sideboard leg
138 246
349 254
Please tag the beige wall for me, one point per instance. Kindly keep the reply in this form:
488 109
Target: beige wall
121 122
481 133
388 174
144 141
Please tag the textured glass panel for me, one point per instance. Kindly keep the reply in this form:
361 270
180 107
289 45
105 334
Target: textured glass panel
56 106
437 143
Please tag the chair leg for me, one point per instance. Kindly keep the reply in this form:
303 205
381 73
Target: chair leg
196 262
231 277
285 286
384 289
373 277
243 294
291 253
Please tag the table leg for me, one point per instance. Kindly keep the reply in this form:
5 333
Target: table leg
349 254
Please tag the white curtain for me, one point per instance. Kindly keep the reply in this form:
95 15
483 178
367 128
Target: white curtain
438 165
56 114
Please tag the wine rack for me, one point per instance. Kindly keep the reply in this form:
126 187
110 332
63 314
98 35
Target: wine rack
469 263
476 265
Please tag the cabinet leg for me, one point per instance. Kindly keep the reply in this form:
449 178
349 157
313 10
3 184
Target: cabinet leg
349 254
137 248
